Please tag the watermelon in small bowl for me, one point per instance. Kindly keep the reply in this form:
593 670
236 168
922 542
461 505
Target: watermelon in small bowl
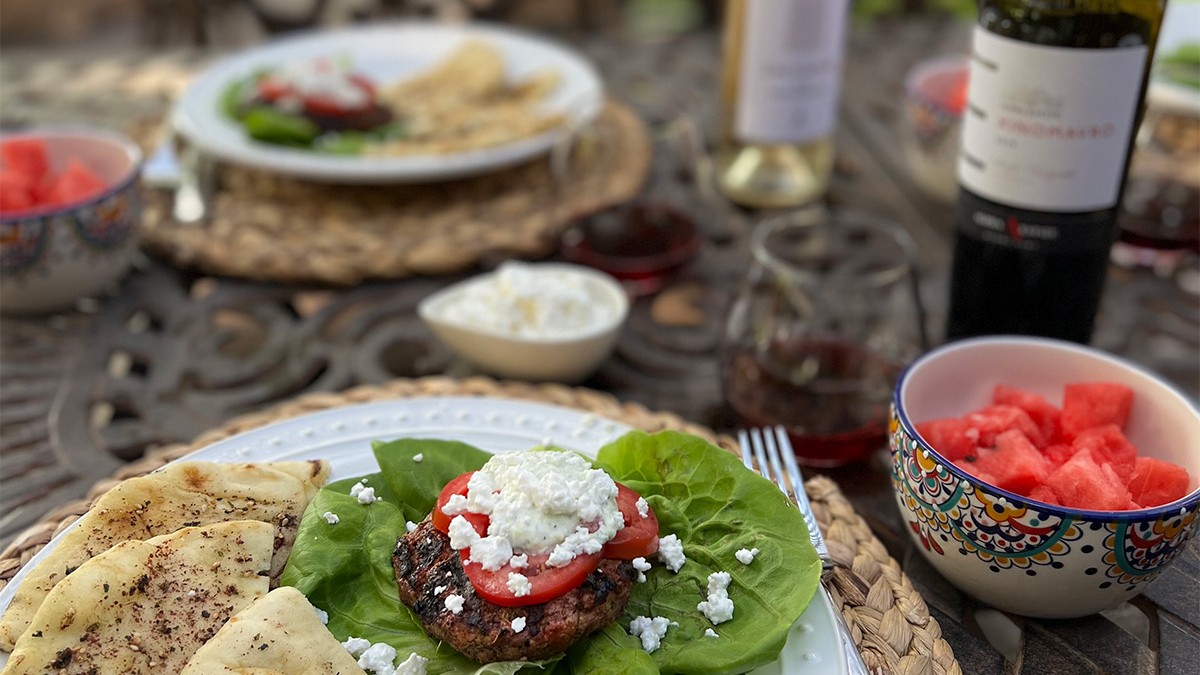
1121 438
69 213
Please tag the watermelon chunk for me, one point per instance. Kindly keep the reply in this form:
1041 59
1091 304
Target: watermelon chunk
26 156
16 191
1043 413
1094 404
1155 482
952 438
75 183
1017 465
994 420
971 466
1058 454
1083 483
1108 446
1044 494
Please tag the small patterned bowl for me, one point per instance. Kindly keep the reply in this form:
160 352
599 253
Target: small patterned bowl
52 256
1014 553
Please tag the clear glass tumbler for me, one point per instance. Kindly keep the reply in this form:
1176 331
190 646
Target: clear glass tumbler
826 317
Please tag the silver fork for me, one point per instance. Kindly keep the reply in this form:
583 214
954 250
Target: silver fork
773 451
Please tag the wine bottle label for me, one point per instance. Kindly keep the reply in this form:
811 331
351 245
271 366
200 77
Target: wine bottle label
791 67
1047 128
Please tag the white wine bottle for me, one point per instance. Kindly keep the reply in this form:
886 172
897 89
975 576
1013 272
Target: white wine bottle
782 68
1054 97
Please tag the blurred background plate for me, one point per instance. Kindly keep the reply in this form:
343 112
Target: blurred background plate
386 53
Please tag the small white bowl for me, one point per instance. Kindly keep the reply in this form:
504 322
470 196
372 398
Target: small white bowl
563 358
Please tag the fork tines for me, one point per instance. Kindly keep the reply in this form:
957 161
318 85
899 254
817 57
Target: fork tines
772 449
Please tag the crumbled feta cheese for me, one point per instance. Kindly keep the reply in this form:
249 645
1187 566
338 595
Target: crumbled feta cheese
356 646
718 607
378 658
413 665
521 300
670 549
454 603
745 556
518 561
462 534
322 615
410 525
538 502
491 552
419 457
192 593
367 496
518 624
651 631
708 632
357 488
519 584
437 590
331 517
643 507
642 567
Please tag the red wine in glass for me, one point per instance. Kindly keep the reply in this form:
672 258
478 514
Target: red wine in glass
830 395
641 244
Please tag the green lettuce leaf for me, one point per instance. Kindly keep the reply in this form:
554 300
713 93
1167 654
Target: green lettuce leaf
715 506
699 492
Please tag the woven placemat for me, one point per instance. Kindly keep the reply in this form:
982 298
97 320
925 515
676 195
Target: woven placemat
887 616
268 227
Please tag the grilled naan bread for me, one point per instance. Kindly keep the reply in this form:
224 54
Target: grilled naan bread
279 633
181 495
147 606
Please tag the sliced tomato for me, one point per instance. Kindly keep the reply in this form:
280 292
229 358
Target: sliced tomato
271 89
546 583
639 537
457 486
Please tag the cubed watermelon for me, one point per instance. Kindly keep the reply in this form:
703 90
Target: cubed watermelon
1083 483
15 191
1155 482
26 156
1044 494
1108 446
75 183
952 438
1016 464
1043 413
996 419
971 466
1058 454
1094 404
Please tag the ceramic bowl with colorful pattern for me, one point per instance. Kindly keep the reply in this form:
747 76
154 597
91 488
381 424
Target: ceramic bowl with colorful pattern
52 256
1014 553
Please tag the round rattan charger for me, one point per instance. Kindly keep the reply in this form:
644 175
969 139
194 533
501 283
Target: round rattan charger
267 227
887 616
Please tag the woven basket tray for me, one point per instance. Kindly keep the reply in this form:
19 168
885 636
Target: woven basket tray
267 227
887 616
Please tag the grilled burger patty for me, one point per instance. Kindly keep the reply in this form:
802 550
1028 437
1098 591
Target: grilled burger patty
424 561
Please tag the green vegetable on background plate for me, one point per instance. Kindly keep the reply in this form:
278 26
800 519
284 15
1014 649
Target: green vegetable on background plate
1180 65
699 492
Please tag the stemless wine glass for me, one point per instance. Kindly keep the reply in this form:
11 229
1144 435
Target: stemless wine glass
826 317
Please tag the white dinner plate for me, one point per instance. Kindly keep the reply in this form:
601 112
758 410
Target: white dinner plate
343 437
386 53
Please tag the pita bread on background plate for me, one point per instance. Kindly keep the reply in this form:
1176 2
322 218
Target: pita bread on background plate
147 606
278 633
185 494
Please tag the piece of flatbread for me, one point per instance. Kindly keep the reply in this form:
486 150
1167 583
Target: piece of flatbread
278 633
186 494
147 606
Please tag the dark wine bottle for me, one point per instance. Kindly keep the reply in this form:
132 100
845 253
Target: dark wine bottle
1054 97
